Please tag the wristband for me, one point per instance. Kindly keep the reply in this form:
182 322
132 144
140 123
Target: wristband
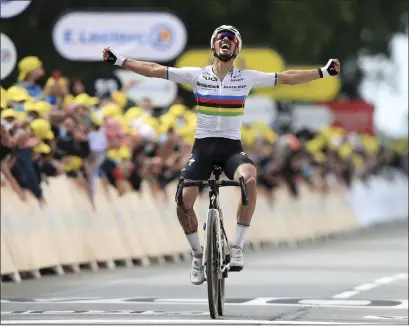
323 72
120 61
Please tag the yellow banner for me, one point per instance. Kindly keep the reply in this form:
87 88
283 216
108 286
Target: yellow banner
268 60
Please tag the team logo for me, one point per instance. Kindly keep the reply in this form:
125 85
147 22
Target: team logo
10 8
5 55
235 87
206 86
8 56
209 78
161 37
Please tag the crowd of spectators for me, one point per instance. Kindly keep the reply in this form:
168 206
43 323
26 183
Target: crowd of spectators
58 129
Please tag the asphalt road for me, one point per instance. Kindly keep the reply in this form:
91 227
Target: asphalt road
357 278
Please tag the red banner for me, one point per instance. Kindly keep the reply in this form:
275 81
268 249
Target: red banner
352 115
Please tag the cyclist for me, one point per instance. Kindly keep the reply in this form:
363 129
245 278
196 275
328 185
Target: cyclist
220 91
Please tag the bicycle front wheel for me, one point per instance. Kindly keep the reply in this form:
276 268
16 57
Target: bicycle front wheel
212 263
221 296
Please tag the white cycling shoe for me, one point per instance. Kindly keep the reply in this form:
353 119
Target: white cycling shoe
236 263
197 271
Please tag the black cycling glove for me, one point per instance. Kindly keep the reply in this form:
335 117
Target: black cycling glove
115 59
329 69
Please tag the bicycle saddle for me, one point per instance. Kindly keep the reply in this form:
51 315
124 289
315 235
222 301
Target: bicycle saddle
216 170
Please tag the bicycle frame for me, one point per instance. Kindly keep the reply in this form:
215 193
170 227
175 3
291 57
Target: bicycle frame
214 205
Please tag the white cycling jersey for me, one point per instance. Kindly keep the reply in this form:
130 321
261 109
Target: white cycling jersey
220 104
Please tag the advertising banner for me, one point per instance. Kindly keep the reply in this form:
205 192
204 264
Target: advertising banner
11 8
353 116
150 36
259 108
381 199
8 56
161 92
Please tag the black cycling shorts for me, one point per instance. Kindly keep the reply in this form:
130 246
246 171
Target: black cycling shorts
228 153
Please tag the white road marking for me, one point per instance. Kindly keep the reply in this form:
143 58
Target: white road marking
365 287
262 301
104 312
345 295
323 303
176 300
169 322
404 305
386 317
368 286
258 301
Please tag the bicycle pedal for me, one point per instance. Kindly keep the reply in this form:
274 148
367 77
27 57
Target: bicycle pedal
235 268
227 259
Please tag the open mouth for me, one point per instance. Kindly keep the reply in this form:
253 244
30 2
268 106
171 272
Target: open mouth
225 46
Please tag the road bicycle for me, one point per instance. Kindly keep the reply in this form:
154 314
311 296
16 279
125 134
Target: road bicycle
216 257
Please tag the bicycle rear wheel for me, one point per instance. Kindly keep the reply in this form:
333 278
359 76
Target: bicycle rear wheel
212 264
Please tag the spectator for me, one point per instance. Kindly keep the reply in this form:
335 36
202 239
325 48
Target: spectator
55 90
30 71
17 97
7 160
62 129
37 110
77 87
146 105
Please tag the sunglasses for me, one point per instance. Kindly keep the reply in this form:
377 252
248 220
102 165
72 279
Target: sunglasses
228 35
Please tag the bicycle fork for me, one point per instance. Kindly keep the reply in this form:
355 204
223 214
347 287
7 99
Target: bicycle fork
224 260
210 211
225 257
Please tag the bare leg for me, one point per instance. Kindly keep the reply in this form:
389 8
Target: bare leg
245 213
188 220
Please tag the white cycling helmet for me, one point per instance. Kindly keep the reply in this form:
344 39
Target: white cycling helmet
230 29
227 28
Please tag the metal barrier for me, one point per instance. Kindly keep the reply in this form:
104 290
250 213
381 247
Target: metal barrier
69 234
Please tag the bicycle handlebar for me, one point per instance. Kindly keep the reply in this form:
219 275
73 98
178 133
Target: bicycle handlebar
206 183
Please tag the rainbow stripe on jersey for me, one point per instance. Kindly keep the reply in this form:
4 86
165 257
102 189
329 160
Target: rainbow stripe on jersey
227 106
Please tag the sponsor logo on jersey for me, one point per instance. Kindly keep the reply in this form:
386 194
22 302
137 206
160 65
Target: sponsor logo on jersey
236 79
234 87
207 77
206 85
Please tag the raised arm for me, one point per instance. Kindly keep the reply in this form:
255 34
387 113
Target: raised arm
147 69
259 79
184 75
294 77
